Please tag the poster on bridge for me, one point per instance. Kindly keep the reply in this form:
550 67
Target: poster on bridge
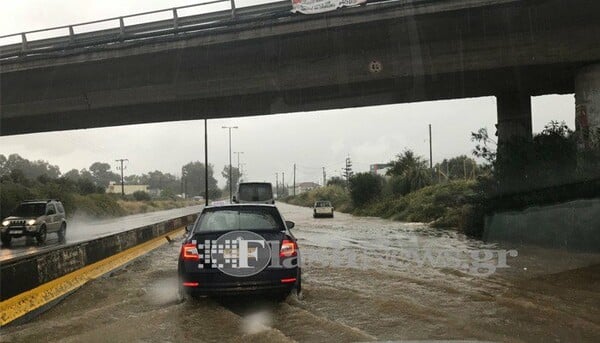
320 6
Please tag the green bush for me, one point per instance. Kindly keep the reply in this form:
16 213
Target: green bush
141 196
364 187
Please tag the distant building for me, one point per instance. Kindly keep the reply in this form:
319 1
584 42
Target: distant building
114 187
379 168
303 187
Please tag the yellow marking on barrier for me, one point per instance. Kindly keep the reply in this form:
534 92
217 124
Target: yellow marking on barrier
21 304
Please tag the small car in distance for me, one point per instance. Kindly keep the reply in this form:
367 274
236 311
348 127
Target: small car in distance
239 249
323 208
35 218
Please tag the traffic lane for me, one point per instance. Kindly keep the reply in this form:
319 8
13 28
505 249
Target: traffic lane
342 302
81 229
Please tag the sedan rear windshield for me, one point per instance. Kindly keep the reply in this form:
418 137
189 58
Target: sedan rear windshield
254 218
323 204
30 210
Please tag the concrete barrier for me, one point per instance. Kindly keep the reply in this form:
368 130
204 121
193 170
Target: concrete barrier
573 225
25 273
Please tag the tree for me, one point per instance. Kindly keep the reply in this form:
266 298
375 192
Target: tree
101 174
72 175
486 147
364 187
235 176
193 179
336 181
30 169
459 167
409 173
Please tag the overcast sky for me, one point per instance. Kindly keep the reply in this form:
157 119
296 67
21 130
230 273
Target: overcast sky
270 143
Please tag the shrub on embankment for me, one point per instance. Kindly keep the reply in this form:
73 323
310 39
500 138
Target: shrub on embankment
81 201
449 205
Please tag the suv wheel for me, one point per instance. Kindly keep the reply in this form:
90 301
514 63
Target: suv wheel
62 233
6 238
41 236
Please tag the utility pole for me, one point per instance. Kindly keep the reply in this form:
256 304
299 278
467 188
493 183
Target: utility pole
238 163
324 177
205 162
348 170
294 191
277 184
230 183
283 183
430 151
183 182
121 160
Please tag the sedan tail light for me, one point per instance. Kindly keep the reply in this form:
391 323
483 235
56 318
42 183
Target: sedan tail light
189 252
289 248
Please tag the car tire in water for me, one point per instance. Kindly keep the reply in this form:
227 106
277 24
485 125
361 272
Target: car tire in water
6 239
41 236
62 233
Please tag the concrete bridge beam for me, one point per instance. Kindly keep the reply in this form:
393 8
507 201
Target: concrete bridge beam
587 106
514 117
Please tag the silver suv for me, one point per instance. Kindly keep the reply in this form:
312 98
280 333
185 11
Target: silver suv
35 218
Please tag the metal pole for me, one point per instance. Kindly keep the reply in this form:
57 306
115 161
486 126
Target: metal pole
206 162
230 185
283 183
430 150
277 184
232 9
122 181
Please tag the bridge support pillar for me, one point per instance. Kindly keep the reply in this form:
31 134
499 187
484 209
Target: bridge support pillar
587 106
514 117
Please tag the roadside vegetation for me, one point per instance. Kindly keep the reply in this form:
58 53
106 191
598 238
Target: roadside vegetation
83 192
459 192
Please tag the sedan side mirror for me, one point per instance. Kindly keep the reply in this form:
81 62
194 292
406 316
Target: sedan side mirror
188 228
289 224
234 199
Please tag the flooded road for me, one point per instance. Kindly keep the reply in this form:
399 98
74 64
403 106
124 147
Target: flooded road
364 279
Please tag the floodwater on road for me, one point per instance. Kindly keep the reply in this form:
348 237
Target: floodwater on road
364 279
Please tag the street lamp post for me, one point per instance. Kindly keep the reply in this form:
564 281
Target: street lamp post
238 165
230 185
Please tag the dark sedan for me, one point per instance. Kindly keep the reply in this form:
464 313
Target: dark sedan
239 249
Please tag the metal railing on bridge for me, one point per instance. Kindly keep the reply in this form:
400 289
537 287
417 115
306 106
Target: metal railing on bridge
116 30
176 24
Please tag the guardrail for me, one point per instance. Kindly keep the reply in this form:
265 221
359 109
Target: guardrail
121 32
21 274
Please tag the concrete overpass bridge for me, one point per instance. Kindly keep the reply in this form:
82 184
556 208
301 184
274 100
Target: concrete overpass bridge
265 60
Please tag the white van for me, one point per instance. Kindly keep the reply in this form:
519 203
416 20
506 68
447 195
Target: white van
254 192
